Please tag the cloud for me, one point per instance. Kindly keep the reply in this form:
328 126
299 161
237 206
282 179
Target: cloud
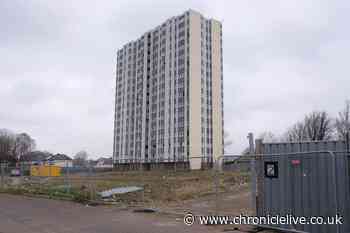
281 60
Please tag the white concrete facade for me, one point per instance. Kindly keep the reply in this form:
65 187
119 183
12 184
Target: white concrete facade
168 102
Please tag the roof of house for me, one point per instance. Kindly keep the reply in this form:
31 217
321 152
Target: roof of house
59 157
92 162
35 156
106 161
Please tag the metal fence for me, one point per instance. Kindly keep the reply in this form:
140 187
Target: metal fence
205 191
305 179
311 179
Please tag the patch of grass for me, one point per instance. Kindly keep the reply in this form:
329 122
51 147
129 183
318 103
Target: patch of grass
49 192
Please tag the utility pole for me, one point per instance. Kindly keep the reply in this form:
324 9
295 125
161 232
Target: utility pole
252 170
348 140
2 174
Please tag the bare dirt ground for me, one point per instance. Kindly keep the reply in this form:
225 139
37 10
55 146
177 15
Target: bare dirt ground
234 202
33 215
172 194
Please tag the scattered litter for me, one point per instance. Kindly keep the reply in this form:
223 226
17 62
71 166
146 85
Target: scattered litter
121 190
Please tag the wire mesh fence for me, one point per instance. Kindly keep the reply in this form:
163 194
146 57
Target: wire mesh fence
226 187
160 185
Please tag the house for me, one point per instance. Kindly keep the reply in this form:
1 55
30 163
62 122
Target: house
34 158
60 160
104 163
92 163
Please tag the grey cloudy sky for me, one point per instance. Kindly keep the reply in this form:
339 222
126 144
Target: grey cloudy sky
281 60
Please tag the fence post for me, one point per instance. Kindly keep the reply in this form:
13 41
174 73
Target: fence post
175 176
66 176
260 176
348 141
252 171
142 182
334 176
2 175
91 183
216 181
138 167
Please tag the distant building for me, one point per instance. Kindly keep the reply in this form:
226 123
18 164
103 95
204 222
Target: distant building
91 163
104 163
60 160
169 93
34 158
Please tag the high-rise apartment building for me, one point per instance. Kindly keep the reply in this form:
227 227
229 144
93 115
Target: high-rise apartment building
169 93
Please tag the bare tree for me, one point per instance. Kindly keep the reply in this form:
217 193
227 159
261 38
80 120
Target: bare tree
296 133
342 122
268 137
6 142
13 146
22 145
80 158
317 126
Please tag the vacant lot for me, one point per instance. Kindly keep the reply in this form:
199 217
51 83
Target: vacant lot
173 194
160 188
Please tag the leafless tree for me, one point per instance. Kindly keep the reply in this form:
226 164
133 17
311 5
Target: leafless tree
296 133
22 145
342 122
80 158
316 126
268 137
13 146
6 142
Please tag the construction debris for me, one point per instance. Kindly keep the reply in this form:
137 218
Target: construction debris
120 190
